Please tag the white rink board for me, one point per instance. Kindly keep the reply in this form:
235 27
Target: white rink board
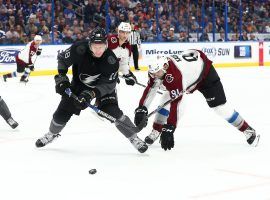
223 54
47 59
220 53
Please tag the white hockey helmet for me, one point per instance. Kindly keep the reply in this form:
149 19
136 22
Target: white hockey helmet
38 38
157 65
124 26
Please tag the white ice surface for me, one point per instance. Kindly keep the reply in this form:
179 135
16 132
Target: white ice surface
211 159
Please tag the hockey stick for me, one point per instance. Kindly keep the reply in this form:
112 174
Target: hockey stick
165 104
135 129
140 84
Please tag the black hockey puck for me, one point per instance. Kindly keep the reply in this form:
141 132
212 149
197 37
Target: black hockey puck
92 171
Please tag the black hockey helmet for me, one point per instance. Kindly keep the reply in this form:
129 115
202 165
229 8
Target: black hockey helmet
98 35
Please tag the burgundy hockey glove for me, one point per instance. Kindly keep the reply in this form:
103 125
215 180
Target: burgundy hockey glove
130 78
166 137
61 83
85 98
141 116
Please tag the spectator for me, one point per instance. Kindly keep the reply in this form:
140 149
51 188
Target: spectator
234 38
57 38
244 37
252 37
69 14
171 36
45 35
89 11
162 37
267 28
2 36
145 32
204 37
221 37
12 35
183 36
79 37
67 39
30 27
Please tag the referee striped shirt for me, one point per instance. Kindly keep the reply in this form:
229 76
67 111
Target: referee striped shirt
134 38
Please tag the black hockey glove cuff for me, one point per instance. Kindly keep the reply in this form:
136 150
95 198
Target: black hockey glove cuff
141 116
61 83
39 51
130 78
85 99
166 137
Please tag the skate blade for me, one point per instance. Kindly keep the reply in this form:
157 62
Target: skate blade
256 141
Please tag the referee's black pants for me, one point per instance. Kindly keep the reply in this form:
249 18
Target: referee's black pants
135 53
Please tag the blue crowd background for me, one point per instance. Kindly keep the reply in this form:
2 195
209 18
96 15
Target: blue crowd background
67 21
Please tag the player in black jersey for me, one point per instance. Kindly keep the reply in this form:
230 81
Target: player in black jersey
5 113
95 74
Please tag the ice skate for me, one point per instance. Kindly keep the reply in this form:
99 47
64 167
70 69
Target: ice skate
138 144
4 78
24 79
152 137
12 123
252 138
46 139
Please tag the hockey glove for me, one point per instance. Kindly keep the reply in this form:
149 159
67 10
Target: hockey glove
31 67
141 116
130 78
39 51
166 137
85 99
61 83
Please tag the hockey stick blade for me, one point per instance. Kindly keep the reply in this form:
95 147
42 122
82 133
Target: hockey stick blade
135 129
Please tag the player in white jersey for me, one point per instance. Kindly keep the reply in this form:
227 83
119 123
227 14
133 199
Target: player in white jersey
180 74
25 60
121 47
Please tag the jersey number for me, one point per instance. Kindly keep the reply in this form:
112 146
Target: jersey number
67 52
113 76
175 93
189 57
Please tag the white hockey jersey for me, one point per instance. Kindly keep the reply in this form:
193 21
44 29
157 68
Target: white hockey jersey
184 74
26 55
123 53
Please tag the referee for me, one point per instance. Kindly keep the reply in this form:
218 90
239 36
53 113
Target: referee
134 40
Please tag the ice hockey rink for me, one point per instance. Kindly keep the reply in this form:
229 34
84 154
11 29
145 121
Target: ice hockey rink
210 161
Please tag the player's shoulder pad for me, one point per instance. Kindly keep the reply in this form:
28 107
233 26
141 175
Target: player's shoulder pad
112 38
80 48
113 41
111 57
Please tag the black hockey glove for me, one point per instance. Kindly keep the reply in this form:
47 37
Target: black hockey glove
166 137
141 116
31 67
85 98
61 83
39 51
130 78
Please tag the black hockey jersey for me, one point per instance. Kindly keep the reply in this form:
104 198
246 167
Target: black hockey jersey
89 72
